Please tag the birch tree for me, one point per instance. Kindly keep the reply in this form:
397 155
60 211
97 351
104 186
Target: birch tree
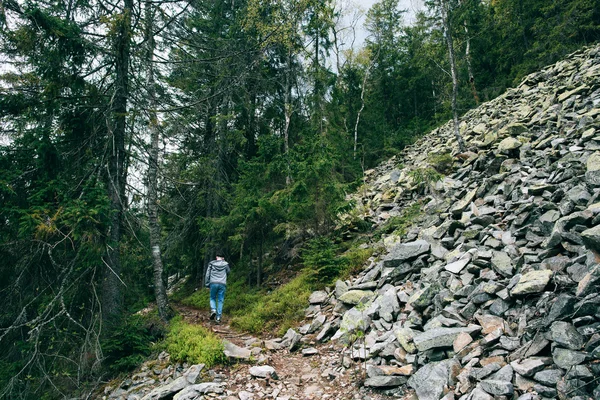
445 10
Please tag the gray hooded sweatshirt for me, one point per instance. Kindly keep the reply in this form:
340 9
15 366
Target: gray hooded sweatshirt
217 272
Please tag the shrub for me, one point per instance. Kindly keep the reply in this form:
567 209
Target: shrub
193 343
320 259
425 176
130 344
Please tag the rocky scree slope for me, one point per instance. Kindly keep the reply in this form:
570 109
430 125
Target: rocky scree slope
495 294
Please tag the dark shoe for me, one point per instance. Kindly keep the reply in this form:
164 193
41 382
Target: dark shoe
213 314
218 320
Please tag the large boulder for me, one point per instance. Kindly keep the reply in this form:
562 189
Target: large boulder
353 297
405 252
508 145
263 371
440 337
532 282
431 379
592 174
194 392
236 352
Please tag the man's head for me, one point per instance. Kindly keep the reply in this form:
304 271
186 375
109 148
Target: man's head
219 255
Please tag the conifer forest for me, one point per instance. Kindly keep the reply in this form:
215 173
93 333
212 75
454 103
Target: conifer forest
140 137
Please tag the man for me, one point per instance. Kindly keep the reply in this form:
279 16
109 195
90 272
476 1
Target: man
216 280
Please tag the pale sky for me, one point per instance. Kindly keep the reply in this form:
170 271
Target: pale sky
411 7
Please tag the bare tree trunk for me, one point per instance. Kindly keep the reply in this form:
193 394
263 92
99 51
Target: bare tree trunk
288 116
449 42
160 291
260 261
360 110
117 173
468 58
362 100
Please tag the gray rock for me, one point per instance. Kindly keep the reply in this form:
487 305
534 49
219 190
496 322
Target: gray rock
579 195
340 288
529 396
508 145
422 298
504 374
530 366
326 331
440 337
565 334
192 373
591 238
429 381
354 320
405 252
588 306
167 390
502 263
263 371
457 266
291 339
236 352
579 372
549 377
545 391
274 344
318 297
353 297
570 389
497 388
460 206
513 129
383 381
482 373
509 343
317 323
592 174
192 392
566 358
589 282
532 282
310 351
405 337
562 307
479 394
389 305
556 264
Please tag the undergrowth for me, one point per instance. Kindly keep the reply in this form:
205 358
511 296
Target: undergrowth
193 343
132 342
276 311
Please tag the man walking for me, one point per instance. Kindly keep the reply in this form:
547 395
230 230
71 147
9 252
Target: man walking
216 280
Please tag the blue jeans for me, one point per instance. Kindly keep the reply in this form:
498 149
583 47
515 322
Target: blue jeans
217 295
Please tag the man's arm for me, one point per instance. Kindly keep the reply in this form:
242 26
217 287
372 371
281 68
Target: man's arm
207 277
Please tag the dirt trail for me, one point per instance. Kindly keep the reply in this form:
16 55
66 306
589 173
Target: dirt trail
319 376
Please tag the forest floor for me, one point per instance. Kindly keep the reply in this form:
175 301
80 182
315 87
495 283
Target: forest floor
319 376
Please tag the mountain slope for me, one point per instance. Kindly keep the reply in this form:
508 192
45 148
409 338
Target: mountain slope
495 291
